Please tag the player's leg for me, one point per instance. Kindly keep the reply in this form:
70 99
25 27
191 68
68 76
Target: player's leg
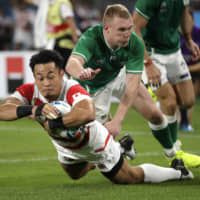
113 166
77 171
178 76
167 99
157 122
185 93
72 162
185 98
147 173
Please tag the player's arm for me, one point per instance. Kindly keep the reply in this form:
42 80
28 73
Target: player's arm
126 102
186 27
75 68
67 14
12 108
195 67
153 74
8 109
81 113
75 32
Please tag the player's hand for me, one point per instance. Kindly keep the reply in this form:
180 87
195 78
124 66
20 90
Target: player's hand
153 76
113 128
194 48
88 74
46 127
46 110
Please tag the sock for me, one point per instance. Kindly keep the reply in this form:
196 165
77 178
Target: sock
173 126
157 174
184 119
162 133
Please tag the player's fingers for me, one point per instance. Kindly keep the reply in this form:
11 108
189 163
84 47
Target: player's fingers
97 71
50 109
51 116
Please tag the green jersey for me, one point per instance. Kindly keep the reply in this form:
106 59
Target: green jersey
164 17
97 54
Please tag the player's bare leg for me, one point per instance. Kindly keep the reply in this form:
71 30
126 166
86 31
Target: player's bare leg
149 173
76 171
185 93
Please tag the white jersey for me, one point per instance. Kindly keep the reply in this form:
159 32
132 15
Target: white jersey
71 92
93 143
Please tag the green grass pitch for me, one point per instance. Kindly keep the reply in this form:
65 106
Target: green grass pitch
29 169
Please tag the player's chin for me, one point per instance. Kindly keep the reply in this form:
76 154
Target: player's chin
48 95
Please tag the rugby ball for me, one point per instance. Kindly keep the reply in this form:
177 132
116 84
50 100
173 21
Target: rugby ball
64 108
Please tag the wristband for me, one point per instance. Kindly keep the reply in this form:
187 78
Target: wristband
56 123
23 111
147 62
38 111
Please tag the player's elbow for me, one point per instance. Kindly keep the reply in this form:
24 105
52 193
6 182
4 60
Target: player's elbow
91 114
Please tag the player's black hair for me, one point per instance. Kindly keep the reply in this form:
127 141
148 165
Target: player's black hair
46 56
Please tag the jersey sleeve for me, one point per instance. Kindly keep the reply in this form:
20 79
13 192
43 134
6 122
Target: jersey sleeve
146 8
24 93
84 47
135 62
75 94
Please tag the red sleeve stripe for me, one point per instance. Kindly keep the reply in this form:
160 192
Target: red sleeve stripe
26 90
73 90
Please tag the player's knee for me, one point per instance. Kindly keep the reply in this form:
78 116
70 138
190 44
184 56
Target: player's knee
156 116
187 103
74 176
170 106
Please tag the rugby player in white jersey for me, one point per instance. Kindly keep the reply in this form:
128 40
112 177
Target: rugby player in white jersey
93 145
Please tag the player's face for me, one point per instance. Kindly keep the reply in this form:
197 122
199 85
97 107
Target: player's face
48 79
118 32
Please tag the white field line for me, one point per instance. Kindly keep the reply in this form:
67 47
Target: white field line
27 160
132 133
144 154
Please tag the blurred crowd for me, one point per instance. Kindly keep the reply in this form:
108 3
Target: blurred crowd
17 19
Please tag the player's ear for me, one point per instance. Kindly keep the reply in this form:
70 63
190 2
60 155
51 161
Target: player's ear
62 72
105 27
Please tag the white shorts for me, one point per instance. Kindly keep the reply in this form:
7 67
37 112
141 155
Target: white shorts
173 68
101 149
103 97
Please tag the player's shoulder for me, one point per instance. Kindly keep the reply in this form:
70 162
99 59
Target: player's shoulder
146 8
147 3
93 32
27 87
25 91
135 41
70 82
73 85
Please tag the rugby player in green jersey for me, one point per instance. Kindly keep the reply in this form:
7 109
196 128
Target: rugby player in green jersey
157 22
108 61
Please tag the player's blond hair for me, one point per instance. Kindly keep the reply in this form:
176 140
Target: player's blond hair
115 10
